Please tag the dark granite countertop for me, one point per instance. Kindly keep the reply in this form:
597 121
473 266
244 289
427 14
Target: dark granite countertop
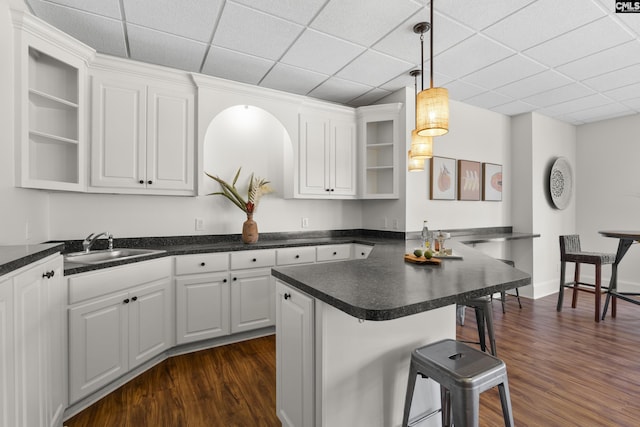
384 286
15 257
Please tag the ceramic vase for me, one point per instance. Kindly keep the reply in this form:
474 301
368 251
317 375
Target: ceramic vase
249 230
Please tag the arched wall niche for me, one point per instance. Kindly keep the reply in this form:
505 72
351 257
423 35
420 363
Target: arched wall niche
247 137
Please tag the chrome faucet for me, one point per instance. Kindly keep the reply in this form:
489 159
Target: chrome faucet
91 239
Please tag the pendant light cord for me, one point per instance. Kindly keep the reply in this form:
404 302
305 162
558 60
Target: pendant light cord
430 50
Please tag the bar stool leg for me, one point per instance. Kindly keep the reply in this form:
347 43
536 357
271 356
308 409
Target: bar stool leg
480 318
518 296
466 408
505 401
411 383
488 317
598 291
563 269
576 279
445 399
503 297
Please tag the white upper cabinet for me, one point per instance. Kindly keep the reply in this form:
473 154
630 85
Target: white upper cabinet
379 141
142 135
327 155
50 106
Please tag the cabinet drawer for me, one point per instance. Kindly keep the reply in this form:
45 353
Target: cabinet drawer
361 251
301 255
201 263
253 259
333 252
90 285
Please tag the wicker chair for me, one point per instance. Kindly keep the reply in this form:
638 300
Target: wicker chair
570 251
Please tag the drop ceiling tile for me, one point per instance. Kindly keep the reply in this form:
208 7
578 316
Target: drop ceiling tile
293 10
559 95
404 44
104 34
370 97
588 102
537 83
470 55
109 8
624 93
193 19
543 20
608 60
165 49
511 69
571 45
254 33
374 69
488 100
514 108
479 14
460 90
363 22
321 52
601 113
633 103
339 90
615 79
292 79
236 66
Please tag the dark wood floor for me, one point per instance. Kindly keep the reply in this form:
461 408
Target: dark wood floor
564 370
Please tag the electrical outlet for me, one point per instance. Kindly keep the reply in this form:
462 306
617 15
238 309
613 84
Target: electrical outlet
199 224
305 222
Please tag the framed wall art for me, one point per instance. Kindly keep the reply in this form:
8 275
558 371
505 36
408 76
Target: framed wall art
491 182
443 178
469 176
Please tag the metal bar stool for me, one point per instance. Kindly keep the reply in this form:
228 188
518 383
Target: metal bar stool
463 374
484 316
570 252
503 294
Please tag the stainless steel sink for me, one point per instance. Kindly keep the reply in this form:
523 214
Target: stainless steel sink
99 257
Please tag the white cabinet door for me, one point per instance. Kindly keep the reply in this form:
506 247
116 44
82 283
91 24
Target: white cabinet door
294 357
202 307
118 142
56 326
98 344
313 162
342 162
252 299
7 385
38 384
170 139
149 321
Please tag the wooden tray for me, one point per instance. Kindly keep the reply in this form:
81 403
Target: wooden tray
422 260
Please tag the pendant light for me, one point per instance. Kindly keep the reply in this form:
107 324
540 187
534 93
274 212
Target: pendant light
421 146
415 164
432 105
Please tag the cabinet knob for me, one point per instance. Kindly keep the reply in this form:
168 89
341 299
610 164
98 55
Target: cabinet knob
333 189
235 278
335 253
149 182
126 301
287 295
297 256
48 274
254 260
362 253
326 189
134 299
202 264
224 280
141 182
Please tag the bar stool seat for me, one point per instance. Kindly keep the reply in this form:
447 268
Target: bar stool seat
570 251
463 373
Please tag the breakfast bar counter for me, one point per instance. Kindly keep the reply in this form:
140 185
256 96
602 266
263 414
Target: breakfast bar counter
345 331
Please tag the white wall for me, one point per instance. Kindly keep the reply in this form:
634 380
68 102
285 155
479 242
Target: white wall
20 209
538 141
608 190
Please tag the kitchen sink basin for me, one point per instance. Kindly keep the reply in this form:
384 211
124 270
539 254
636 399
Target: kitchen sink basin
99 257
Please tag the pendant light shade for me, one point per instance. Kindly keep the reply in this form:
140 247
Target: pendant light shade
432 105
421 146
432 112
415 164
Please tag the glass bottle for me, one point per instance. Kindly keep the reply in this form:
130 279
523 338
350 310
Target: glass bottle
426 236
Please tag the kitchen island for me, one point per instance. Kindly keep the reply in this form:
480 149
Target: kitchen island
345 331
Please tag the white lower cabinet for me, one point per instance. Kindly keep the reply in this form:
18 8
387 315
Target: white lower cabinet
119 323
295 371
202 297
38 308
252 299
7 385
